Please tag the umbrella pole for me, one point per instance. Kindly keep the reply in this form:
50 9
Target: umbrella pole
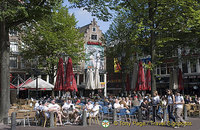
52 93
59 93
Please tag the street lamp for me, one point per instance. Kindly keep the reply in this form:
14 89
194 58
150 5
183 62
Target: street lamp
36 72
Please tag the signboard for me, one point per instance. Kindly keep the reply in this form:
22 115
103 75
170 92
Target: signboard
117 66
94 56
102 84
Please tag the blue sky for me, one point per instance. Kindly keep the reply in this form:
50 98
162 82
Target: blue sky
83 17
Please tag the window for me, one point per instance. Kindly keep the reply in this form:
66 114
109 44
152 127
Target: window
163 69
14 47
22 63
169 68
94 37
193 67
185 67
93 29
13 62
158 70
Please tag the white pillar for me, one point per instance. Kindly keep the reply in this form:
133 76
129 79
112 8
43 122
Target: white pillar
55 79
179 59
78 79
198 66
39 76
47 78
189 67
105 89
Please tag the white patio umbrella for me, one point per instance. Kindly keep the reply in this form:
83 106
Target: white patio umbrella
90 80
97 79
173 80
175 77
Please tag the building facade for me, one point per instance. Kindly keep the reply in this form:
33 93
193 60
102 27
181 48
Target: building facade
94 52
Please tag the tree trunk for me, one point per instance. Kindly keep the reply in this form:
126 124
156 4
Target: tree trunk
4 72
152 7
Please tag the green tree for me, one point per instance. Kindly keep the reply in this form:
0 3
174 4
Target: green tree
159 26
13 13
51 37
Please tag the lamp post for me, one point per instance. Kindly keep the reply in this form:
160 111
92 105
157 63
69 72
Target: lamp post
36 73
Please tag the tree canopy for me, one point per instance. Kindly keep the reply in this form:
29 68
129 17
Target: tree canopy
51 37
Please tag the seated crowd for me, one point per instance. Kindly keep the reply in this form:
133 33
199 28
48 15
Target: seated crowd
70 109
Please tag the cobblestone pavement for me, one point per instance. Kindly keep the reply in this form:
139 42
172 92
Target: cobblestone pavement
195 126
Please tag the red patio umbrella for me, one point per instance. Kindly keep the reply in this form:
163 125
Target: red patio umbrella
180 81
140 86
70 80
59 85
148 78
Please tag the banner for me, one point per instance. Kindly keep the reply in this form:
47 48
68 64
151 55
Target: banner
117 66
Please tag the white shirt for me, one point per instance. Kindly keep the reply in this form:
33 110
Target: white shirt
55 106
117 105
156 100
36 105
95 111
45 108
169 99
179 99
66 106
90 106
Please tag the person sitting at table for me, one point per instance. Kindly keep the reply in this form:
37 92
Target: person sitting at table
116 104
46 109
57 109
88 107
78 101
198 101
69 109
123 103
36 105
95 110
67 105
145 108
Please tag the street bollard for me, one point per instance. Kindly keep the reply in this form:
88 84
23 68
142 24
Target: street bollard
84 118
139 115
115 115
185 113
51 120
165 114
13 121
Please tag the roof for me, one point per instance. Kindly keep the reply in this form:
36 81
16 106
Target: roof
41 85
84 28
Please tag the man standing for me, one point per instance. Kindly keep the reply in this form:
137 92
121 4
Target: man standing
179 101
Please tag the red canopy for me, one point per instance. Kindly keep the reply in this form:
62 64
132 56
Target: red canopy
26 82
70 80
148 78
12 86
180 81
59 85
140 86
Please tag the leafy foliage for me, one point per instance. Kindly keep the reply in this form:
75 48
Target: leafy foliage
52 37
